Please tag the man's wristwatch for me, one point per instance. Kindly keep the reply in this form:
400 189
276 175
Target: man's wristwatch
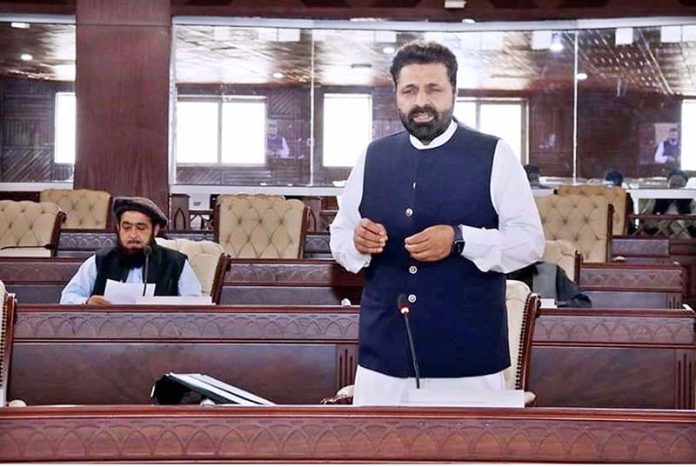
458 243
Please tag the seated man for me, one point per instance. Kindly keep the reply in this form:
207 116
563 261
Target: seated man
675 179
550 281
138 222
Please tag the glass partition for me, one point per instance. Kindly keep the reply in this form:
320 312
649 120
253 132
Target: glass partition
242 105
37 102
631 91
324 93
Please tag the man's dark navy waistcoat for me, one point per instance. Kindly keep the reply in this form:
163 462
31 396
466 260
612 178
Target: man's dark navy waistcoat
164 270
458 313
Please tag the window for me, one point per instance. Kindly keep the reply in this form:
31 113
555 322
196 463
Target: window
505 118
65 122
210 130
688 135
347 128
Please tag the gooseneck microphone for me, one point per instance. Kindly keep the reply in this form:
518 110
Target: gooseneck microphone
147 251
405 308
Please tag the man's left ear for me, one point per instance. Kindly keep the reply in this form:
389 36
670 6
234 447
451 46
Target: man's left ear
155 230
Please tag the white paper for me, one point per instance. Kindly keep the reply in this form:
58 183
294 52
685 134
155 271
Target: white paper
548 303
124 293
458 398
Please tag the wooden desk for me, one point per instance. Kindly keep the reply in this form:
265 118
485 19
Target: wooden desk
324 282
614 358
620 285
344 434
91 355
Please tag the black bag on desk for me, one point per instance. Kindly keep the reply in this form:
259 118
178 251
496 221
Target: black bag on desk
193 388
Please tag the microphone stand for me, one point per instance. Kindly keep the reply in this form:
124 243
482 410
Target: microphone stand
405 309
147 251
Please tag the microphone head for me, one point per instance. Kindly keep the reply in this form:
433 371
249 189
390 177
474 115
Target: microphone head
403 304
147 250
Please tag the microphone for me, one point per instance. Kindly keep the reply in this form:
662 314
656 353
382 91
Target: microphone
404 307
147 251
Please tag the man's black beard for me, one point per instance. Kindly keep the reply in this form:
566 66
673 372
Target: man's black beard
130 258
427 131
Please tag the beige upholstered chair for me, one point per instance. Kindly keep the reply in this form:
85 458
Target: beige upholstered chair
260 226
522 309
564 254
6 319
616 195
585 221
85 209
29 229
208 260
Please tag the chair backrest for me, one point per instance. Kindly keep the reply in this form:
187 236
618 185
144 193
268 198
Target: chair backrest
29 229
7 308
616 195
522 309
208 260
85 209
260 226
564 254
584 221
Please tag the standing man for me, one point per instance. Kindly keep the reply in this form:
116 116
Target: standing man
669 150
138 220
439 213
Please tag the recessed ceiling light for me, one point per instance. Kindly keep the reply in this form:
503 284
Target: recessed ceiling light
26 57
19 25
278 75
581 76
388 49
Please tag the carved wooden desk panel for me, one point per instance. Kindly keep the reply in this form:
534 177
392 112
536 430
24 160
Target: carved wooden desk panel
614 358
589 358
617 285
641 249
345 434
78 355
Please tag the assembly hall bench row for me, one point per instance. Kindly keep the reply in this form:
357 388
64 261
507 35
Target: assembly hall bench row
324 282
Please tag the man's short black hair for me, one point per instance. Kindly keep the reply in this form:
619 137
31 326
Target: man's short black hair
424 53
614 177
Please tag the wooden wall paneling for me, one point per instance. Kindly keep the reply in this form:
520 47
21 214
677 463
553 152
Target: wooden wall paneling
47 7
123 56
27 131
